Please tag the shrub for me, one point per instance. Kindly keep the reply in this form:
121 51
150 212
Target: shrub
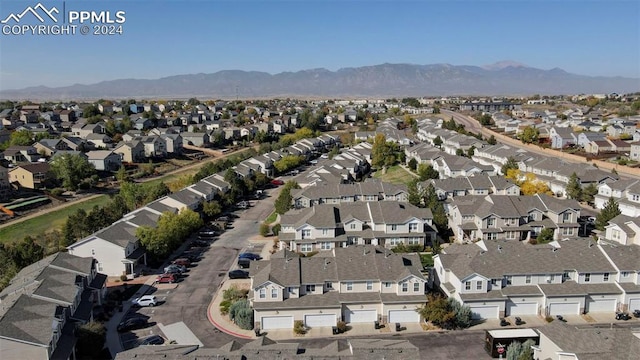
264 229
123 277
342 326
57 191
91 339
298 327
242 314
233 293
224 307
311 253
276 229
548 318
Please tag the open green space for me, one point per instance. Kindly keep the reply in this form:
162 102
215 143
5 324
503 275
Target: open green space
46 222
395 175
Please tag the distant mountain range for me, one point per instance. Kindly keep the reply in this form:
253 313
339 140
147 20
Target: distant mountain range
385 80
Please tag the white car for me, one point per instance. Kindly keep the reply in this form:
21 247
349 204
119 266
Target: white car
146 300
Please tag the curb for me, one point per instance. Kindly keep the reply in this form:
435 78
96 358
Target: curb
214 323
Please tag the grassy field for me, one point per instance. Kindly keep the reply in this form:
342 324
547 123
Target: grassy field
46 222
271 218
395 175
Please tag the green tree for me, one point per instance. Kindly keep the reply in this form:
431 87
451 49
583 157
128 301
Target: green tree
438 311
334 151
471 151
21 138
288 162
379 151
414 193
91 339
26 252
264 229
413 164
463 313
211 209
573 189
241 314
509 165
426 172
72 169
545 236
121 175
530 135
284 201
437 142
589 193
609 211
492 140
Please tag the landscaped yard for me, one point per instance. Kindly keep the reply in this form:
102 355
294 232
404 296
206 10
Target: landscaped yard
271 218
395 175
47 222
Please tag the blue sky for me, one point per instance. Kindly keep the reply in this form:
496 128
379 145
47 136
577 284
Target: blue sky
166 37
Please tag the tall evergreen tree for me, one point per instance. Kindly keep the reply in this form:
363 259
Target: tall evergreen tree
610 210
573 189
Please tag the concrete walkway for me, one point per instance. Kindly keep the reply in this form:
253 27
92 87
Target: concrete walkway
113 337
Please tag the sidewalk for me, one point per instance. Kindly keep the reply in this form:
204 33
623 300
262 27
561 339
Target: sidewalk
113 337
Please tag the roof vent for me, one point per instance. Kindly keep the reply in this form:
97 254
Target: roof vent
554 249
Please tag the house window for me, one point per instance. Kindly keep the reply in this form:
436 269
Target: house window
615 234
587 277
625 274
405 287
99 267
478 285
369 285
325 245
605 277
394 241
349 286
566 217
565 276
387 284
394 227
510 235
491 222
274 293
509 278
352 226
328 284
414 241
532 217
416 287
467 285
93 252
263 293
567 231
552 278
413 227
325 232
635 197
492 236
527 279
306 233
311 288
306 247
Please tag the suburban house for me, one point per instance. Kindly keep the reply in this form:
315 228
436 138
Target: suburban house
131 151
480 184
19 154
31 176
42 304
494 217
562 137
357 284
384 223
498 278
48 147
116 248
195 139
561 341
105 160
337 193
625 192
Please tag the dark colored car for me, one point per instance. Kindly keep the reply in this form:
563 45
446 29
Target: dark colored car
277 182
132 324
167 278
244 263
238 274
250 256
152 340
182 261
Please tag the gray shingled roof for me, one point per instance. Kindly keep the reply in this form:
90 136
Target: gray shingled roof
29 319
626 258
119 233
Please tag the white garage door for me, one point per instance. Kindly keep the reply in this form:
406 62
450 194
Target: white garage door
403 316
564 308
360 316
601 305
484 311
527 308
277 322
634 304
319 320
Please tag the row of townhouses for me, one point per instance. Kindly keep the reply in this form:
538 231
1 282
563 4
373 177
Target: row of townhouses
43 304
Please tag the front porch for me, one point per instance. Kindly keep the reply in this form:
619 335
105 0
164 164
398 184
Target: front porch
135 263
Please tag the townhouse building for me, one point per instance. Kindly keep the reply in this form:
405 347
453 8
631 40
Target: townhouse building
337 193
494 217
480 184
356 284
384 223
43 303
625 192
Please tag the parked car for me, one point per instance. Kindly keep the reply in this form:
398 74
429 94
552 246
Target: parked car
277 182
244 263
206 232
238 274
250 256
182 261
152 340
146 300
132 324
175 269
167 278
